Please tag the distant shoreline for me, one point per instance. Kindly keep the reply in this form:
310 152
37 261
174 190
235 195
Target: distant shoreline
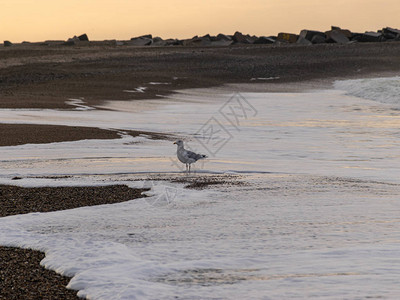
46 77
305 37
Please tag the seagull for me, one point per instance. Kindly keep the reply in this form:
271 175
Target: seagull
187 157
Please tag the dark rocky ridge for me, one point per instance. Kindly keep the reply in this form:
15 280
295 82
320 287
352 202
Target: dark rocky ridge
335 35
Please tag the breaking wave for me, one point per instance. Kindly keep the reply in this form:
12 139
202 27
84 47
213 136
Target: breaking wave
384 90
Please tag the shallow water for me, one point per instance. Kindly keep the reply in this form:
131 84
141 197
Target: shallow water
316 213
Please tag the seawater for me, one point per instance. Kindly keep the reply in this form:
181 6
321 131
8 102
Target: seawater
316 214
384 90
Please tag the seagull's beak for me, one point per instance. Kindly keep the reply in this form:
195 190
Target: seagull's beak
175 143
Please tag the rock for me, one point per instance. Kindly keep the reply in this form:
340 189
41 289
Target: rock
389 36
317 39
157 41
264 40
287 37
391 30
72 41
309 34
7 44
221 40
140 41
221 37
368 37
146 36
56 42
390 33
83 38
221 43
239 38
337 36
303 41
143 40
173 42
251 38
112 43
198 41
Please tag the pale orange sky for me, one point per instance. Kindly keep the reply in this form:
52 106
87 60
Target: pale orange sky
38 20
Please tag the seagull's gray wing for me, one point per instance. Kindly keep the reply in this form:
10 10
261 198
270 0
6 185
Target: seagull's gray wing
194 156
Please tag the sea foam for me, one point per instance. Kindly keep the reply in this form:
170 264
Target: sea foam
385 90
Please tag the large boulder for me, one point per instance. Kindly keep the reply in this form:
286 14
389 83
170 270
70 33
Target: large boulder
264 40
147 36
221 40
72 41
173 42
221 43
347 33
309 34
198 41
337 36
83 38
144 40
368 37
318 39
240 38
303 41
7 44
222 37
390 33
157 41
287 37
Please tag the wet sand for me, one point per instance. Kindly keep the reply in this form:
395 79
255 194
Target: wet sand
20 134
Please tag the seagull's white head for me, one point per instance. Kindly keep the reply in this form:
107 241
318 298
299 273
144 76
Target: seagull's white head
179 143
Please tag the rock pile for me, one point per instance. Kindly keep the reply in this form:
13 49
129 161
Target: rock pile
305 37
340 36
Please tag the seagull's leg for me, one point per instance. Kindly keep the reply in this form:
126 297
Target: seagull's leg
189 168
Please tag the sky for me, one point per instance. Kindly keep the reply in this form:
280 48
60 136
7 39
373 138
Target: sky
39 20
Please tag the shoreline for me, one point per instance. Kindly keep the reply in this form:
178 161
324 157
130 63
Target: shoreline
48 78
22 134
33 96
20 268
